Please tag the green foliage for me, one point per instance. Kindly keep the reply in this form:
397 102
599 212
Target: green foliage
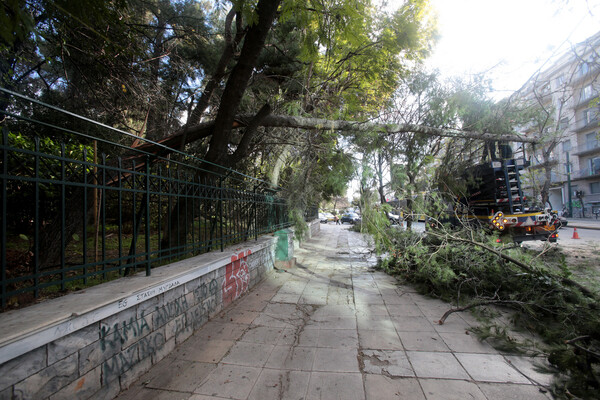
49 145
333 171
355 55
300 226
452 266
15 22
375 222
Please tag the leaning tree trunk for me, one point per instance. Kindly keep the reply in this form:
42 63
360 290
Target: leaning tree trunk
281 159
180 220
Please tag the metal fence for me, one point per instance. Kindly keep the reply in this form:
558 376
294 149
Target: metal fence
80 209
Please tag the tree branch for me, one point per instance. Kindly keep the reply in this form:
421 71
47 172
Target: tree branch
244 145
523 266
192 133
476 304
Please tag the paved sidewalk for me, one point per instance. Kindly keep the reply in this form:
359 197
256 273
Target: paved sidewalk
332 328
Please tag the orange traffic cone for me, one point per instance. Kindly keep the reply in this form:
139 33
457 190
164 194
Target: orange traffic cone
575 234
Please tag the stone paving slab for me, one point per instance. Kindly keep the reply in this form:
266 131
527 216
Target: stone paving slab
334 328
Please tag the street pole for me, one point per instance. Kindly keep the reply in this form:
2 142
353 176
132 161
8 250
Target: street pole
569 186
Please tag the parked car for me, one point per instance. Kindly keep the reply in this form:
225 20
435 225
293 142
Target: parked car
326 217
394 218
558 220
351 218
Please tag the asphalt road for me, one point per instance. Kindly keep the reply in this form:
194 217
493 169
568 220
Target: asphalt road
565 236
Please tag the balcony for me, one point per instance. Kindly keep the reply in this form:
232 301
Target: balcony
589 148
538 178
538 162
579 77
557 178
584 173
588 126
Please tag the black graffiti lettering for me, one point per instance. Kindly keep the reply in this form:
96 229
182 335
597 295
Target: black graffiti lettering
213 287
104 331
118 364
143 324
150 344
170 311
119 336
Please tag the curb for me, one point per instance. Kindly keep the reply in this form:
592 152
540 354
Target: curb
595 228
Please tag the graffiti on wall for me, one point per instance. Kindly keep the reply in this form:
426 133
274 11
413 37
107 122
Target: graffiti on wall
131 340
237 277
258 259
118 334
206 298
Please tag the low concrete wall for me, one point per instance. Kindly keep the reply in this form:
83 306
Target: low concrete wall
314 228
94 343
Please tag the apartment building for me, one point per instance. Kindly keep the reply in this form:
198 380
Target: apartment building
569 91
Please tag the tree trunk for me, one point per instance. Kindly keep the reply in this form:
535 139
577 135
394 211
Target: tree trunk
208 128
221 130
231 44
281 158
409 202
380 187
238 81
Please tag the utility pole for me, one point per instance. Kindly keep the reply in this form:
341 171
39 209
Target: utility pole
569 186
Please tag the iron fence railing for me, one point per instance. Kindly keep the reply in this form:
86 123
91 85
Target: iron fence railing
311 213
79 209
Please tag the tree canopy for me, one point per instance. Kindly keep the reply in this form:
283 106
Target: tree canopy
250 84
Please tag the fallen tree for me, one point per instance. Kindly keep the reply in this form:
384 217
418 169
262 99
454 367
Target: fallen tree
469 269
203 130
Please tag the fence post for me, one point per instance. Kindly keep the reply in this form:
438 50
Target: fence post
36 220
103 205
3 239
85 210
148 263
120 208
63 217
254 202
221 212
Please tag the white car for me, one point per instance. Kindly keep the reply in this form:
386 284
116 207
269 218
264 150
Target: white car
394 218
325 217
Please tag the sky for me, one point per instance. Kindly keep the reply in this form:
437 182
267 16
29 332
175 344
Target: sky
510 39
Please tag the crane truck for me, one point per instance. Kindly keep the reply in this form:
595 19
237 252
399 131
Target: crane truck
496 200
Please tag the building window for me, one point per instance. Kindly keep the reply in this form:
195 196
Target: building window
563 123
595 166
560 80
585 93
595 187
587 117
546 88
591 141
568 168
584 68
566 145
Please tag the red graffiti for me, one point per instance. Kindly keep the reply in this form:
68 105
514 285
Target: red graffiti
237 278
